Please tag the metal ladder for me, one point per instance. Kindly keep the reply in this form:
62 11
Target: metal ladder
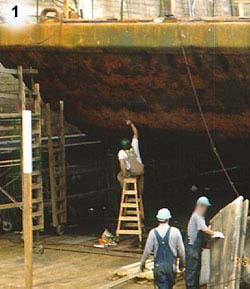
57 170
131 210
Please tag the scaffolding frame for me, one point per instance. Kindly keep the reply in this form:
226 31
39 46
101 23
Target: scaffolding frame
11 137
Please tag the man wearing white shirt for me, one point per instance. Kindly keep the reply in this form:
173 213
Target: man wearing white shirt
130 159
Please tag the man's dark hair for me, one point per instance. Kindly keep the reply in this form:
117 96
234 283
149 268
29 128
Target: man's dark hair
164 222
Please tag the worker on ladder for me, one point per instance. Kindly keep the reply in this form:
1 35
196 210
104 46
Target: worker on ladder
197 232
130 159
167 244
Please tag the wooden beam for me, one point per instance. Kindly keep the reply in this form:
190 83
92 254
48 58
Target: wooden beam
15 71
11 206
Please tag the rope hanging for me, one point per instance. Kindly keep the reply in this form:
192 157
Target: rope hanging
206 125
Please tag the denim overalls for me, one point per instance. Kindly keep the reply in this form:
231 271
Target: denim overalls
164 263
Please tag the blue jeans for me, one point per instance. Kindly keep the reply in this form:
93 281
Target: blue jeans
193 267
162 282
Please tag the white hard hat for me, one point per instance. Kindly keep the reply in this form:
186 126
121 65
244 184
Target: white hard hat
163 214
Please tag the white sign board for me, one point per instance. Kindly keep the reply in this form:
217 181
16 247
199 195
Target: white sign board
27 141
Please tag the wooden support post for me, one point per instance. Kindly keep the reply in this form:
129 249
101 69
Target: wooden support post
27 194
21 87
66 9
51 166
62 184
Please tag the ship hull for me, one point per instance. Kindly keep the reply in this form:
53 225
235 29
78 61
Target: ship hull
140 77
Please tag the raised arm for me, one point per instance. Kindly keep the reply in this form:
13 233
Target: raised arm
133 128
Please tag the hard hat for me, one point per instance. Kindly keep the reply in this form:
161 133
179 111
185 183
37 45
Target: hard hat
163 214
125 144
203 201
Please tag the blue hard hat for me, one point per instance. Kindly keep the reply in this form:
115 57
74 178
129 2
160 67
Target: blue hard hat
204 201
163 214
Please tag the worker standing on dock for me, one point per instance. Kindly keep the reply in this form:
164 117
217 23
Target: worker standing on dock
130 159
198 233
167 244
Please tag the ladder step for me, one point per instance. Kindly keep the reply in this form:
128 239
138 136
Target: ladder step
124 218
132 201
130 192
37 200
36 159
38 227
57 150
36 146
129 205
36 186
61 212
131 213
37 214
128 232
36 131
130 225
36 173
61 199
130 180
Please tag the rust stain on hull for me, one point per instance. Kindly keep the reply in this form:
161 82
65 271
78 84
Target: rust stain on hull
103 84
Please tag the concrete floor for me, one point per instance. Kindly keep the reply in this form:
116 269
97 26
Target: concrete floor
61 269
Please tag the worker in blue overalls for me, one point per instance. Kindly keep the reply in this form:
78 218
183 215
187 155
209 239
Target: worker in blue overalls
167 244
197 232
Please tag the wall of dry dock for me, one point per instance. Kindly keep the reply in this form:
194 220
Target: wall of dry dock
137 9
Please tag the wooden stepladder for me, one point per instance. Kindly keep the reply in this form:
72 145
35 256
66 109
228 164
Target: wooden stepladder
131 210
57 170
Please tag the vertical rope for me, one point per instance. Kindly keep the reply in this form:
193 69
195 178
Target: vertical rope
206 125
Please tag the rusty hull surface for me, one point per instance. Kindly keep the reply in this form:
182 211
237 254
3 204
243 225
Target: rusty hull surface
106 72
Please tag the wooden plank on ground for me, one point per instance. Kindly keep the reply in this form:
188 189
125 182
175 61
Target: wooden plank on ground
131 268
120 281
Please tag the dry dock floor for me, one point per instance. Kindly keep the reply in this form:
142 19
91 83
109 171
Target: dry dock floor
63 269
